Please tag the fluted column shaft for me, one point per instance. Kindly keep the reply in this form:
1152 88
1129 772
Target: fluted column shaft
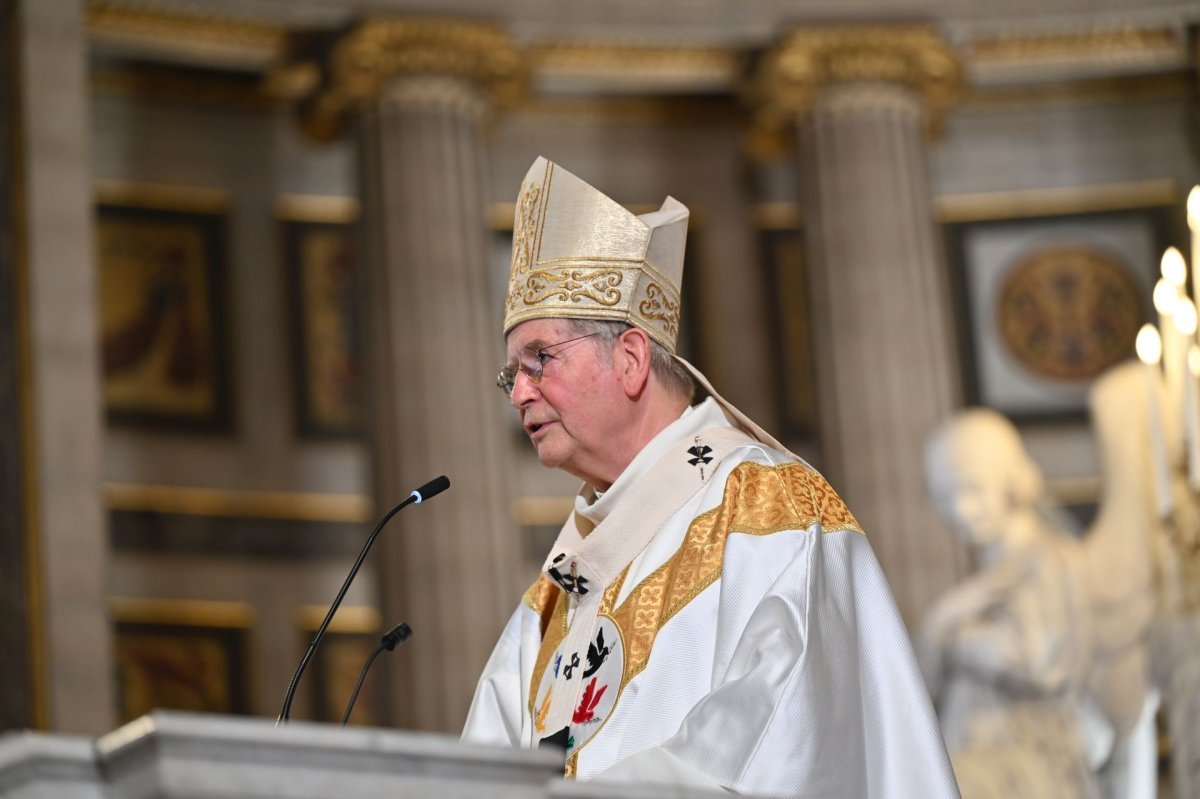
886 370
886 366
54 386
451 570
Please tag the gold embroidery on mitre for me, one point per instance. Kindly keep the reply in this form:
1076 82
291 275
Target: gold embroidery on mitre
574 285
758 500
527 205
661 308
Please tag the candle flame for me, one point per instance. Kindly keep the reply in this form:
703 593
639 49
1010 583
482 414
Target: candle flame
1185 316
1165 297
1193 208
1174 268
1194 360
1149 345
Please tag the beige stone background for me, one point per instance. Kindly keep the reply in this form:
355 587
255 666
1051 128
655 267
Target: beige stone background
1059 107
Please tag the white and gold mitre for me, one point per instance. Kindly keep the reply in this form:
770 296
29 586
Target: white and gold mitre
579 255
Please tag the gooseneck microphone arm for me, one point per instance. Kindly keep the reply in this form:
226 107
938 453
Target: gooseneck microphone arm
430 489
389 641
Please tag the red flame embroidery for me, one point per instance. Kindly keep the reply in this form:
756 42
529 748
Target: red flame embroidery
587 706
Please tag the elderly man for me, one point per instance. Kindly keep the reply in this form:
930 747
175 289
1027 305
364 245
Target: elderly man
711 614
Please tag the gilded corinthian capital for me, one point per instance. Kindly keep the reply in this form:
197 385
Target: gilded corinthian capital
359 65
792 74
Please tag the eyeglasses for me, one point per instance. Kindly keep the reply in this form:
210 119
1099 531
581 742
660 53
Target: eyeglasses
530 363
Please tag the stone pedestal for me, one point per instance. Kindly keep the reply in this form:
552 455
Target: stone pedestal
421 90
885 359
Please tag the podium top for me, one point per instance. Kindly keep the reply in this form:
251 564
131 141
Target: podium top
245 757
170 754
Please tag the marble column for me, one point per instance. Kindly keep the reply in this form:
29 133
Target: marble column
886 366
53 337
420 92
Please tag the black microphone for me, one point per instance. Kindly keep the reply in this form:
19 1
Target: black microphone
389 641
431 489
434 487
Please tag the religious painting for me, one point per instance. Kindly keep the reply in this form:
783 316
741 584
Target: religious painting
782 253
1047 303
163 317
178 660
324 280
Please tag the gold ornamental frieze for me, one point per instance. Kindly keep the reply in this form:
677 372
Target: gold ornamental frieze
381 49
362 62
810 59
211 37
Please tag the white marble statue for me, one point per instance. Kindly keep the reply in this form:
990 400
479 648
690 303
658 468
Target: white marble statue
1120 579
1005 653
1143 557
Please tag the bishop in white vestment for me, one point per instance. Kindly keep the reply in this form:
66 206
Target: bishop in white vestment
711 614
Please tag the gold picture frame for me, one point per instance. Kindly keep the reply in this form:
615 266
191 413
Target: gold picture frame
1050 289
324 278
160 255
181 655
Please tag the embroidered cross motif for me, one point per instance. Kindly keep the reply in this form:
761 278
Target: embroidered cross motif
700 455
570 667
596 655
571 583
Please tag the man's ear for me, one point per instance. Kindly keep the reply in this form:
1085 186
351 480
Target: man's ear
632 359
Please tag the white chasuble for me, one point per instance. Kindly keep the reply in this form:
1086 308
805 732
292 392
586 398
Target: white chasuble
748 642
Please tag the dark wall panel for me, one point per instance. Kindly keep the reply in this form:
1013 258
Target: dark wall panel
16 688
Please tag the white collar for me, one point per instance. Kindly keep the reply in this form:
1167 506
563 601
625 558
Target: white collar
595 506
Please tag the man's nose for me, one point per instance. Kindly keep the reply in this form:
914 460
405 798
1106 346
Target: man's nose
524 390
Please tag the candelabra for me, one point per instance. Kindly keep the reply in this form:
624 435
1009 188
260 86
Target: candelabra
1171 354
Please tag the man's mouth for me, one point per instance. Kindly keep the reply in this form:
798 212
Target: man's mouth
533 428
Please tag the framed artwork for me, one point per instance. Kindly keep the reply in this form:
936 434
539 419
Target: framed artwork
163 316
180 655
324 282
1045 303
332 674
782 253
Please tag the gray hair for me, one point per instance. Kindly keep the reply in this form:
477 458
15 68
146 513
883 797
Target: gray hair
668 370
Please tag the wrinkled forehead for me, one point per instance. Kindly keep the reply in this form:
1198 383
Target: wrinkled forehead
535 334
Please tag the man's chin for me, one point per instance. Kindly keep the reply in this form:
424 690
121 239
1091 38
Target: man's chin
548 457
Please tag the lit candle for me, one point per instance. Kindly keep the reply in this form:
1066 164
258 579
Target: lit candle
1193 218
1192 421
1174 269
1185 322
1174 350
1149 350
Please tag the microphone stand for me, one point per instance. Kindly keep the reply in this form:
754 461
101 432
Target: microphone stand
430 489
389 641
